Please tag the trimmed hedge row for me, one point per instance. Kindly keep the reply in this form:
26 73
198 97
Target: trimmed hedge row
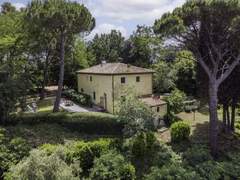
89 122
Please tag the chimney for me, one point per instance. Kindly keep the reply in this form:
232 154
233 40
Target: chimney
103 62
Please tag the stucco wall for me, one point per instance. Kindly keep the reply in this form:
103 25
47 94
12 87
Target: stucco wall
100 84
103 84
144 87
162 110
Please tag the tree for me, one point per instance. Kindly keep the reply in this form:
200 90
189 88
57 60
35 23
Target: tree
77 59
40 165
176 101
229 97
112 165
185 68
7 7
65 19
164 77
209 30
142 48
136 115
107 47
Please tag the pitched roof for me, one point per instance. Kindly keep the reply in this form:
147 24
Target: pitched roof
153 101
115 68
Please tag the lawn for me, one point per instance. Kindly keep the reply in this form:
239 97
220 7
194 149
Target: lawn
45 105
199 123
42 133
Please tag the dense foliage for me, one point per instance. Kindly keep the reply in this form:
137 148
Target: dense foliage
176 101
77 97
112 165
180 131
136 115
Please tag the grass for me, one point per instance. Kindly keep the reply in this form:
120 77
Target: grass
45 105
42 133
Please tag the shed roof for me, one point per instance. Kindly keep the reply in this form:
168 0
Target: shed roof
115 68
153 101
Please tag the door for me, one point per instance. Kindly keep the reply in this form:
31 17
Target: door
105 101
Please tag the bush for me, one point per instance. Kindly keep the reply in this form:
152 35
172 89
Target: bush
196 155
90 122
143 144
86 152
210 170
173 171
77 97
11 152
112 166
231 165
39 165
180 131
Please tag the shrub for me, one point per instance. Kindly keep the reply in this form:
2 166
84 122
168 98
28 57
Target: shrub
48 148
90 122
196 155
39 165
210 170
86 152
11 152
231 165
77 97
142 144
180 131
173 171
112 166
19 147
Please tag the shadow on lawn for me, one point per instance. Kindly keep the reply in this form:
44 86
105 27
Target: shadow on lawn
39 134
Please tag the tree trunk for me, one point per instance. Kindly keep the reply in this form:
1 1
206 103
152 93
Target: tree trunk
45 77
213 102
224 117
233 116
61 75
228 119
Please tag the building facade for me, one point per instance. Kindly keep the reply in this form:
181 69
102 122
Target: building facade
105 83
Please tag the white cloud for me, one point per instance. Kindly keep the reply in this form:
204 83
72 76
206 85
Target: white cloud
144 10
19 5
106 28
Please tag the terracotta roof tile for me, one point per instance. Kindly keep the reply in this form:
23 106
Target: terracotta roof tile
115 68
153 101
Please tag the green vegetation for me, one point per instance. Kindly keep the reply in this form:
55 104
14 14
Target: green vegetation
180 131
90 122
134 114
79 98
42 45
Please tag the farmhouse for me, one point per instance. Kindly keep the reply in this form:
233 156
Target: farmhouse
105 83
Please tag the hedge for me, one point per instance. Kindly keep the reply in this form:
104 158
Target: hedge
179 131
89 122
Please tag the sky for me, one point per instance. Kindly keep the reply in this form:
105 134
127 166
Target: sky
122 15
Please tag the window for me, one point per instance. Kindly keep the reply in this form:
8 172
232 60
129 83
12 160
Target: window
138 79
158 109
82 90
91 78
123 80
94 95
